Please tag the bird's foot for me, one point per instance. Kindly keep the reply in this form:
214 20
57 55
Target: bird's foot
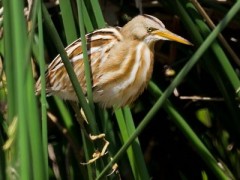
114 169
98 154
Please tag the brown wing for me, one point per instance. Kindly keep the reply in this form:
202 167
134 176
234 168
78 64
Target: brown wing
99 43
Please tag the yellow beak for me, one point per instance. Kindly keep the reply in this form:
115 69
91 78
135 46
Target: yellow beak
168 35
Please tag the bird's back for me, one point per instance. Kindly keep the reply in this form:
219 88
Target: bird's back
99 44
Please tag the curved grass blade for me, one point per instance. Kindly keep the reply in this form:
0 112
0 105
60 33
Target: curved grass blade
87 68
56 39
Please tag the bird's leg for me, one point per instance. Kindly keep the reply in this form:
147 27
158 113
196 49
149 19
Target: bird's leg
97 154
81 119
114 169
79 114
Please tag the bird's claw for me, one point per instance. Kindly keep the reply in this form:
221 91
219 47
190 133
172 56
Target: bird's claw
114 169
97 154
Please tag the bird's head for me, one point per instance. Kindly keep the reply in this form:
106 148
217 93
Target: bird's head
149 29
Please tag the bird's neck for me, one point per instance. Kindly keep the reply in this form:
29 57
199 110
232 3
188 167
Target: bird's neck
150 43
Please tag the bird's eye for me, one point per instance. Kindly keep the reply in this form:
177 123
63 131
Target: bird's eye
150 29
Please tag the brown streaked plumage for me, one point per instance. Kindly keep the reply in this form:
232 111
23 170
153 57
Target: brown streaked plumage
121 62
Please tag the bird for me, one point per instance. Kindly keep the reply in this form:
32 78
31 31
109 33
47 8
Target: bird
121 61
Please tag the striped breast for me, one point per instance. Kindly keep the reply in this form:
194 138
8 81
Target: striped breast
99 44
123 76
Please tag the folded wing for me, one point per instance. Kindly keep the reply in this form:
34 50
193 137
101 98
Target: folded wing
99 44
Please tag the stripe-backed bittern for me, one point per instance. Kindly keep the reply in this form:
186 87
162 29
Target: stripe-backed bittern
121 62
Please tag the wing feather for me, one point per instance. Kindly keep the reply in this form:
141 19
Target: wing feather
99 44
